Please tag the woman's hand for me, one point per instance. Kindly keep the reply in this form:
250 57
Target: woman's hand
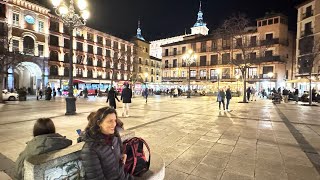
124 158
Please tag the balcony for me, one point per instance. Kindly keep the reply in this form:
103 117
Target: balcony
28 51
307 14
268 42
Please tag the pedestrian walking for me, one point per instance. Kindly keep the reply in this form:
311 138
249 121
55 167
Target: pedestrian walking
38 93
112 96
253 93
146 94
221 98
126 96
48 93
248 93
54 93
285 94
296 95
228 97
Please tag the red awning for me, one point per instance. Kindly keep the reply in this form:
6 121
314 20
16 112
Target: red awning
78 81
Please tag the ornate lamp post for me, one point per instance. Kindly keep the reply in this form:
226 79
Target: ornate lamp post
189 58
69 17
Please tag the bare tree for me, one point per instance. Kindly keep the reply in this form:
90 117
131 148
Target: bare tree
310 49
7 59
239 37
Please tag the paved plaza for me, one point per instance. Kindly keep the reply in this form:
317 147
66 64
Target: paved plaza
257 140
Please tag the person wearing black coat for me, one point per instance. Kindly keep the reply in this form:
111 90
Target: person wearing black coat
112 96
126 96
101 155
228 97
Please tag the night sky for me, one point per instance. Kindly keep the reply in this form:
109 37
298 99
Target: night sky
167 18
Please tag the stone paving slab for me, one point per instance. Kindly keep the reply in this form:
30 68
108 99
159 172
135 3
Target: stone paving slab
257 140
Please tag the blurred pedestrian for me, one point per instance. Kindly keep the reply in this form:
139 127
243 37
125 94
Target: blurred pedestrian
146 94
126 96
221 98
112 96
228 97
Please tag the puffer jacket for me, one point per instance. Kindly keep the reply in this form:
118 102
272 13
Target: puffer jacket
39 145
102 161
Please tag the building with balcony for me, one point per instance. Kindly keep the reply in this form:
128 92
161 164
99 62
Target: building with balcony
28 34
200 27
273 53
308 37
148 68
98 57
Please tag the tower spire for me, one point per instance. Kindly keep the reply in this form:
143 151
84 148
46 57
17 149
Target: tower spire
139 35
200 18
200 27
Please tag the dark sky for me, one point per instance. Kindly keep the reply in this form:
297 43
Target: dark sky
167 18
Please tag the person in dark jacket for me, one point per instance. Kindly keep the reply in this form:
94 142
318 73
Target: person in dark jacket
146 94
112 96
101 155
228 97
126 96
45 140
221 97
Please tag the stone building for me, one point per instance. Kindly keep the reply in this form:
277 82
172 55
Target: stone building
99 58
214 56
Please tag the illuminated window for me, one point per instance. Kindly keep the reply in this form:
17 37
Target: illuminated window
41 26
16 19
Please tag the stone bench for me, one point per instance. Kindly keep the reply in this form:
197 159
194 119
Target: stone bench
65 163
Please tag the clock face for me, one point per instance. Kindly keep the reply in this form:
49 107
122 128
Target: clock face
29 19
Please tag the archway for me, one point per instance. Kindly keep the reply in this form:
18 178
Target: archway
28 75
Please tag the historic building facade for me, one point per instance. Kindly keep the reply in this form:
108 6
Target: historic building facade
28 34
200 27
308 31
214 56
99 58
148 67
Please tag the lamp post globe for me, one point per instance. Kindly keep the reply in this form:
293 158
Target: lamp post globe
71 19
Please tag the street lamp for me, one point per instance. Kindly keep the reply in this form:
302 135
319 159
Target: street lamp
270 75
189 58
69 17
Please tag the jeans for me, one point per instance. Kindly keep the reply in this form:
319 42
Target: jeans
222 101
228 102
125 109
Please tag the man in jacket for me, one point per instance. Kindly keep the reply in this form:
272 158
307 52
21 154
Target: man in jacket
228 97
126 96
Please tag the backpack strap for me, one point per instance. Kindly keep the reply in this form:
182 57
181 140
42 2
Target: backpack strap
148 150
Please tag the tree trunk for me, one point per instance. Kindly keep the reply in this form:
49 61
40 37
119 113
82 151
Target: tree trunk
244 85
310 90
1 85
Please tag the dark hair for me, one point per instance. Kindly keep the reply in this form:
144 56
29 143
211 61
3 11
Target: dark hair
43 126
96 118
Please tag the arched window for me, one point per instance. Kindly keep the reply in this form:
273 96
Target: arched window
66 58
108 64
151 78
28 45
53 70
89 74
66 72
90 61
54 56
